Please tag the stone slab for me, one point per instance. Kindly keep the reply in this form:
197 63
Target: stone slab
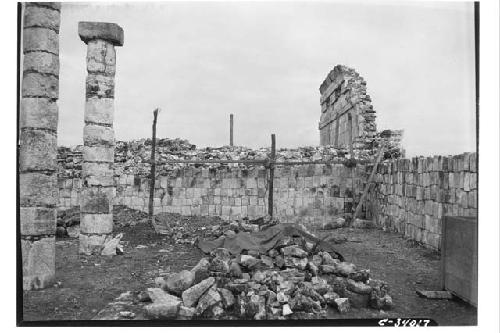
92 244
98 154
38 262
110 32
37 221
97 174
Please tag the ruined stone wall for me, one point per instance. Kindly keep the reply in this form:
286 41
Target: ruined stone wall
413 196
346 111
308 193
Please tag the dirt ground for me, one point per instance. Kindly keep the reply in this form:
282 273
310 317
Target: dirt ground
88 284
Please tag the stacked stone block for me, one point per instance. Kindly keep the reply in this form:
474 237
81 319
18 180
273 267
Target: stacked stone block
38 143
343 95
98 190
413 196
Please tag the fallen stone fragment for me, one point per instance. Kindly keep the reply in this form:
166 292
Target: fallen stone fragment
362 224
293 251
110 246
267 261
328 260
227 296
221 253
320 285
358 287
327 269
219 265
330 298
191 296
177 283
235 270
286 310
127 314
248 260
362 275
207 301
200 271
186 313
342 305
164 305
344 268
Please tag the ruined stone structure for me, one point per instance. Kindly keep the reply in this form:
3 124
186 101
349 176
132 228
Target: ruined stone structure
347 116
38 143
98 190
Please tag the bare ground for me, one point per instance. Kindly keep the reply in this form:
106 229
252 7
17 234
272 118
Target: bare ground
88 284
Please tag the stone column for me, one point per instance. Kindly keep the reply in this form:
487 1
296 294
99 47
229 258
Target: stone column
38 192
98 189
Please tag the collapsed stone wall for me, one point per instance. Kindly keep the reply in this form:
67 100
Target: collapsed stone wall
347 115
413 196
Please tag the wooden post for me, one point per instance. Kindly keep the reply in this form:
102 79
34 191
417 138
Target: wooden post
271 175
368 184
152 175
231 129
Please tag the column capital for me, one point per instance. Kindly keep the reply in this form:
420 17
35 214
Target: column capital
110 32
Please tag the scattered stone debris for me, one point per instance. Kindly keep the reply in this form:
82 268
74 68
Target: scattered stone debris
292 280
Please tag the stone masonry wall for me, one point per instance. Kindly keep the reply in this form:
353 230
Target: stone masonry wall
347 115
305 193
413 196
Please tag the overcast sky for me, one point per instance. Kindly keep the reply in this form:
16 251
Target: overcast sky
264 62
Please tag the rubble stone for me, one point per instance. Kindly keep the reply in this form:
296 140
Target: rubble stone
177 283
191 295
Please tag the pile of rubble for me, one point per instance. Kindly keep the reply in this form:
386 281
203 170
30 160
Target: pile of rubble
184 230
290 281
134 156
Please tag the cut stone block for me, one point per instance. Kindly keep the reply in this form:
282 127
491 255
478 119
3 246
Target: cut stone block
40 85
38 150
37 221
37 189
96 135
38 113
97 174
110 32
95 200
98 85
99 110
99 154
40 39
42 17
92 244
38 263
42 62
101 57
96 223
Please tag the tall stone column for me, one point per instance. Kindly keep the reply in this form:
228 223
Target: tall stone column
98 190
38 193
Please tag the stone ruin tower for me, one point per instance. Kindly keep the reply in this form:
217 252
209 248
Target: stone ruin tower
347 116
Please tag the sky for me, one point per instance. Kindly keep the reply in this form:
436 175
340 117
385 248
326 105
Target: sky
264 63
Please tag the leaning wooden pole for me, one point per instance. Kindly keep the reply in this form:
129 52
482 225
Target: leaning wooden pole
152 174
368 184
271 175
231 123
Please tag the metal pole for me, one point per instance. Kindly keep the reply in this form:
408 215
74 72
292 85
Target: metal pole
271 175
153 167
231 121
